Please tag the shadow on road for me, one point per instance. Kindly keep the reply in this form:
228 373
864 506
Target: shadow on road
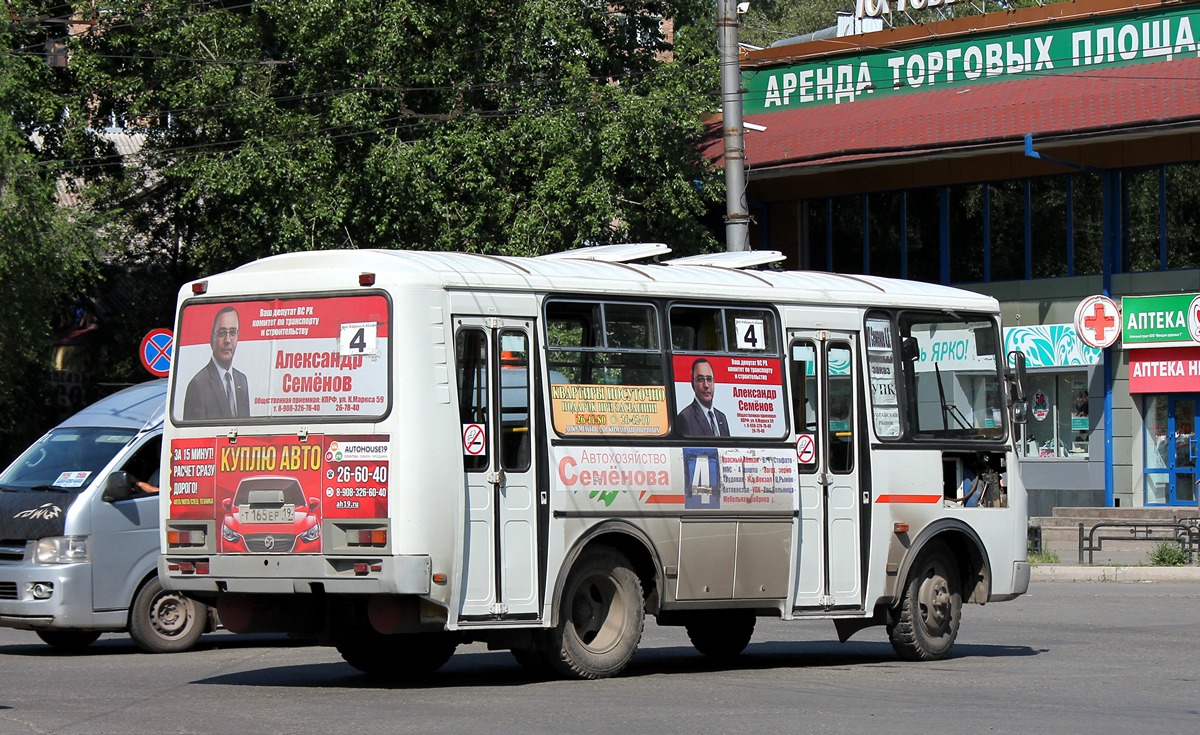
120 645
499 669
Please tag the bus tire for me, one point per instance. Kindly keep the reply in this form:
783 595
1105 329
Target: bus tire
721 634
600 618
927 620
164 621
398 657
68 641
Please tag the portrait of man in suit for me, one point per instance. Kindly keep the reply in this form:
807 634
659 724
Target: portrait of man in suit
219 391
700 418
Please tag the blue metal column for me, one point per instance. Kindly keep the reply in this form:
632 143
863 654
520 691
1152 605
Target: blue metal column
1111 258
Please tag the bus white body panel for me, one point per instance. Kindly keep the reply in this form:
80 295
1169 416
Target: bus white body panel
387 448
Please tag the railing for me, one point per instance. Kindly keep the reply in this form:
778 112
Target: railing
1185 531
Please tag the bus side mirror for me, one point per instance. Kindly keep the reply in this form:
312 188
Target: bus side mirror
118 486
1020 412
909 349
1018 376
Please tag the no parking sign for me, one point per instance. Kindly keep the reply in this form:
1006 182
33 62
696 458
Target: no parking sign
156 350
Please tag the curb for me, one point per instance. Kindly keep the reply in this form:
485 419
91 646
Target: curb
1065 573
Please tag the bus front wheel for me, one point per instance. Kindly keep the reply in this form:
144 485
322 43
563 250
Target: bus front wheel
926 623
601 617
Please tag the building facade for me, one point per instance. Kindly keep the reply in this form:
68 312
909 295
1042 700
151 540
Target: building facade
1041 156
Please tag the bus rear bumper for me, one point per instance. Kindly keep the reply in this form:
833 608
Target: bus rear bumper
264 574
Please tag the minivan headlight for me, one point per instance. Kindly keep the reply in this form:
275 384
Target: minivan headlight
63 550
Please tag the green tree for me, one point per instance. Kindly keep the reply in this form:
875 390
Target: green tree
494 126
44 253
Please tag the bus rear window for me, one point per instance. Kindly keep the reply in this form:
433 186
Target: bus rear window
284 359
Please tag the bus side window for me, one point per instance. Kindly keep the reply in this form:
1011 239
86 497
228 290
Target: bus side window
696 330
470 355
514 401
840 406
804 387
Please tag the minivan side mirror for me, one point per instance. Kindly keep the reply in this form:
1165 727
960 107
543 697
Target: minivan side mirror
118 486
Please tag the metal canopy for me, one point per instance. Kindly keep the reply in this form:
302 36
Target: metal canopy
741 259
619 253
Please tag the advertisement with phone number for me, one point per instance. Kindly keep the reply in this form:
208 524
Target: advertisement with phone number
269 494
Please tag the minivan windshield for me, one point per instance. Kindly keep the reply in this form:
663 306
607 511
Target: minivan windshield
65 459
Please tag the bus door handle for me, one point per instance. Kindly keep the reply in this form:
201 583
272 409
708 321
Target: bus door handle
496 478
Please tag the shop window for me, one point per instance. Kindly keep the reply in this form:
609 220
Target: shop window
1007 230
1048 230
1183 216
884 236
924 236
1058 425
816 235
966 234
1087 224
1142 236
847 235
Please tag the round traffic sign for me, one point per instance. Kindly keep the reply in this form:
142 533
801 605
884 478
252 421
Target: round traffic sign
157 348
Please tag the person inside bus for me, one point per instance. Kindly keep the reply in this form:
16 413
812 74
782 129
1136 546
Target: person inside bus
219 391
700 418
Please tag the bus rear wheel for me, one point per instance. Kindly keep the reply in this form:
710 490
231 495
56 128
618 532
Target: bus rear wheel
721 634
926 623
601 617
399 656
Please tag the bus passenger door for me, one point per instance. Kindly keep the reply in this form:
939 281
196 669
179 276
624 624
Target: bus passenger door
824 389
500 556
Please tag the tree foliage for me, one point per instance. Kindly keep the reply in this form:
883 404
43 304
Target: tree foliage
43 251
485 125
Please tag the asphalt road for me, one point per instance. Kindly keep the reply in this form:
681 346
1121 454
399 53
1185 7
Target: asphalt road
1066 658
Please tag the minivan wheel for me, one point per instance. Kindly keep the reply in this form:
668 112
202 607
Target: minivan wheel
163 621
69 641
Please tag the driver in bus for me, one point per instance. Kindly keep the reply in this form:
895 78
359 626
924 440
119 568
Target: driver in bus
219 391
700 418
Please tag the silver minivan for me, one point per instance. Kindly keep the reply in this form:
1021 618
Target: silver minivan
79 537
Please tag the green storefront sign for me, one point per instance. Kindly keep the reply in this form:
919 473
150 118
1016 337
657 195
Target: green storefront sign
1057 48
1160 321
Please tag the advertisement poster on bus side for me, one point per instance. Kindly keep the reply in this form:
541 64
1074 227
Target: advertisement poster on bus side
744 393
582 409
282 358
269 494
712 477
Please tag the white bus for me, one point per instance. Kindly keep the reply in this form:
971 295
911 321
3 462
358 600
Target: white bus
397 452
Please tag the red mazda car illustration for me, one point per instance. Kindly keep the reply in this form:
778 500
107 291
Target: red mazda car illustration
270 515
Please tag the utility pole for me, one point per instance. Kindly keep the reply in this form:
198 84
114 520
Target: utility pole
737 217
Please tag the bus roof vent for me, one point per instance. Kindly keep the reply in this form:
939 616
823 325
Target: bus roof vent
619 253
742 259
